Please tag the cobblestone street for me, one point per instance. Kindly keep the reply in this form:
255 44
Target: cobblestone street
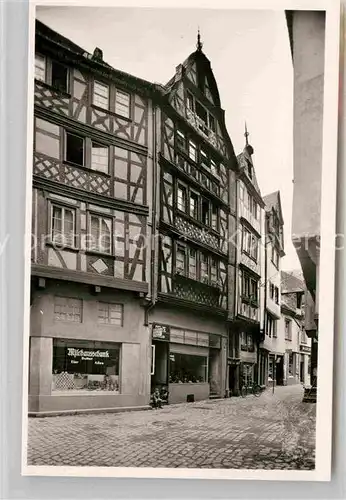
269 432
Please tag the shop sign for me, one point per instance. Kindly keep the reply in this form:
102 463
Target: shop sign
160 332
234 362
98 357
305 348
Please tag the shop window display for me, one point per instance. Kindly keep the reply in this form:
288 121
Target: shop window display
80 366
186 368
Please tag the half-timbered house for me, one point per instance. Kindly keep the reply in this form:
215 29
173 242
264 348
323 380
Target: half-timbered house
91 209
271 355
248 327
195 254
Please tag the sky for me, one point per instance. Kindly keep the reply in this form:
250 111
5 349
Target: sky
250 57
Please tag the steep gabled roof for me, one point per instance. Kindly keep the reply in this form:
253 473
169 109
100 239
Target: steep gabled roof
291 283
203 65
243 158
49 37
273 200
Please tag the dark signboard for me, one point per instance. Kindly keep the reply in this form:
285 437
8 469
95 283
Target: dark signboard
305 348
160 332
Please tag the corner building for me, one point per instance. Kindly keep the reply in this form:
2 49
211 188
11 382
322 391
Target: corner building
93 156
193 304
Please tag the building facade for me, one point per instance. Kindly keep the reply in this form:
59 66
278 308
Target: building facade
248 326
196 212
297 345
271 357
91 217
134 198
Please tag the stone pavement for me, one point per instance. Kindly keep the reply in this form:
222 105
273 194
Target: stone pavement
269 432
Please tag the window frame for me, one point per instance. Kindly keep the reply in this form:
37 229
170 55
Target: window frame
184 250
91 157
183 188
194 195
62 207
109 306
80 301
91 214
37 56
102 84
120 91
288 331
68 77
69 132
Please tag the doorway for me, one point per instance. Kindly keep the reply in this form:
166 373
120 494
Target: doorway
302 369
280 371
159 368
233 380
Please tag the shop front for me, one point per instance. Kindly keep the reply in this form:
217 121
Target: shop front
186 363
305 359
87 352
276 369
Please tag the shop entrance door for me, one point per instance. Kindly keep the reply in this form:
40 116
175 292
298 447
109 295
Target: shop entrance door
302 369
159 371
280 371
233 380
214 372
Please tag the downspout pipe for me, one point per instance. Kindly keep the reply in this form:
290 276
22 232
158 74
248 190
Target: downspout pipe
150 303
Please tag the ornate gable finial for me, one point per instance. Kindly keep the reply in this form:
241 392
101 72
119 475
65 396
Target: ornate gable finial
248 147
246 135
199 43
